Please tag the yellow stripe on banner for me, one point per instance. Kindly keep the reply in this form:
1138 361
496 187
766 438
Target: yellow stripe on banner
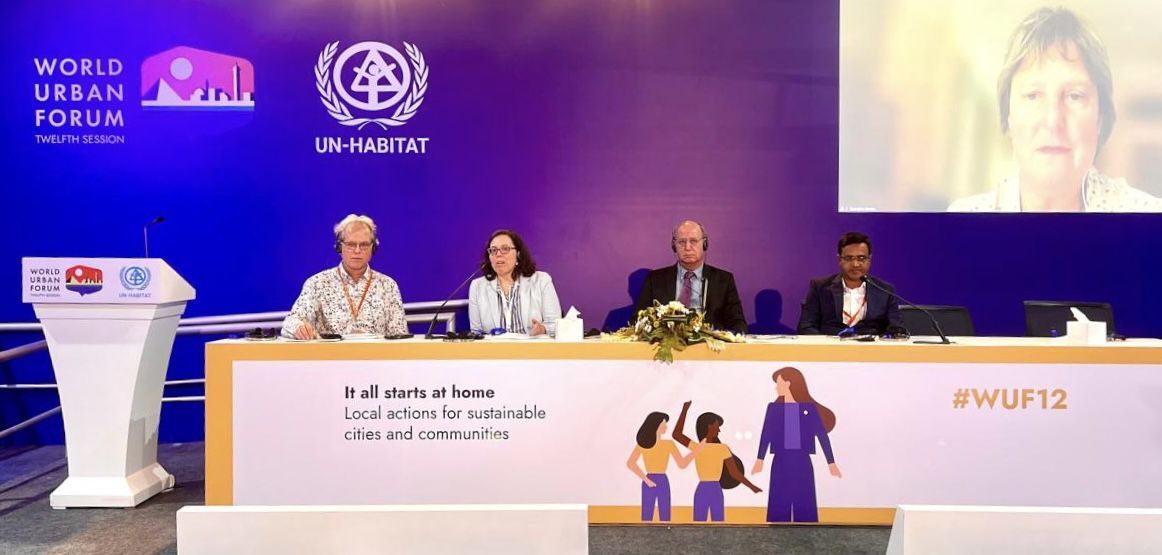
632 514
219 426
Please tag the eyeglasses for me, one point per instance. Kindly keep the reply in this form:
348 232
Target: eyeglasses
351 245
861 258
501 251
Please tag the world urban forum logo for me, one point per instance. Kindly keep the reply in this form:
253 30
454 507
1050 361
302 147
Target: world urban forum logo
85 280
185 78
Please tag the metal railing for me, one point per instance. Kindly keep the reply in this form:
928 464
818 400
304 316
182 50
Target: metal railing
203 325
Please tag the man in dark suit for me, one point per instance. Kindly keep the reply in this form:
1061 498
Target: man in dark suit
843 301
693 282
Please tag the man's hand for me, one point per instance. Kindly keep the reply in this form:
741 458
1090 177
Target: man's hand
306 332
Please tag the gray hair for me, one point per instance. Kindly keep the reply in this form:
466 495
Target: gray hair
345 224
1056 28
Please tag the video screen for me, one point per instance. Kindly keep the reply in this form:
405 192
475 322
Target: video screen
1000 106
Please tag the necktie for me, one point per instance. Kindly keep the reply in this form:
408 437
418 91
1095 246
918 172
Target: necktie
687 288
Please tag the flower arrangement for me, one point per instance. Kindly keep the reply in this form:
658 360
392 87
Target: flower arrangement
673 327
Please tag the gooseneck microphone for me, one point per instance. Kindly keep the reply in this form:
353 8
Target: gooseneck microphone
145 231
436 316
943 338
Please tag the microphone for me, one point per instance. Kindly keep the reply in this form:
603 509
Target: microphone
145 231
705 288
943 338
436 316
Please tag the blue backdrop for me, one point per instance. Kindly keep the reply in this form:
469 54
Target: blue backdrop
590 126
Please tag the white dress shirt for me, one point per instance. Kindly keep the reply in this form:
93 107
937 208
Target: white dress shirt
854 304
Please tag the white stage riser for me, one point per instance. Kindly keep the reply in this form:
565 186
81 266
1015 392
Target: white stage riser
440 529
950 530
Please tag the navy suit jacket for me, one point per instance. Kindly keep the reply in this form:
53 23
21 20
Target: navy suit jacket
722 307
810 428
822 312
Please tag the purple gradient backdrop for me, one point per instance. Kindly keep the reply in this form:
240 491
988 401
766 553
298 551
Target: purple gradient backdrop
591 127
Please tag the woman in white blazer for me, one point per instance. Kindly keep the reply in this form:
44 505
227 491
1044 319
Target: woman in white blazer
512 296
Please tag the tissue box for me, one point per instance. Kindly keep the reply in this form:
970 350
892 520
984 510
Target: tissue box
1085 333
570 329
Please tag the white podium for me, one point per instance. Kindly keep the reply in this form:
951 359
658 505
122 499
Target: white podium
110 325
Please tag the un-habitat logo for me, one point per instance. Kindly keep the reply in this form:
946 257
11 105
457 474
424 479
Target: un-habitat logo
371 83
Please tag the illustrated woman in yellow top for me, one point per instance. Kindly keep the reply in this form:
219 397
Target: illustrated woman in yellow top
711 457
657 453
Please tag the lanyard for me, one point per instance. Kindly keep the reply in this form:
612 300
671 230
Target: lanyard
355 310
852 318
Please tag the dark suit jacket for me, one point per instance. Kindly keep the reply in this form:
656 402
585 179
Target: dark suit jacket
823 308
722 307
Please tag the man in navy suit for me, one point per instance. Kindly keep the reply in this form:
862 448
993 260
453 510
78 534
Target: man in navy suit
691 279
843 301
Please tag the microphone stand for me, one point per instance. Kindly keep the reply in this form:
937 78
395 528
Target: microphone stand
943 338
145 232
436 316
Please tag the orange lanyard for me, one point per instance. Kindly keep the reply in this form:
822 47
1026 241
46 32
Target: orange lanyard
851 317
347 293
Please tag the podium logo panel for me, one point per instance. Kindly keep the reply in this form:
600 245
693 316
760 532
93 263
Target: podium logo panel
84 280
135 278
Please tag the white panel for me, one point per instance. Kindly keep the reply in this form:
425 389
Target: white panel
938 530
437 529
899 437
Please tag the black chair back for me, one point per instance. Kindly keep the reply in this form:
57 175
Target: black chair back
954 320
1048 318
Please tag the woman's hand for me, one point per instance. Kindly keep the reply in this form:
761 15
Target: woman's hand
650 483
755 488
758 467
539 329
834 469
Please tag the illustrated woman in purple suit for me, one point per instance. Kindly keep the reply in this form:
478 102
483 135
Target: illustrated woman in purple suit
792 425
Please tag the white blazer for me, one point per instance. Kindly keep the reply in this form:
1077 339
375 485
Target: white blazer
538 299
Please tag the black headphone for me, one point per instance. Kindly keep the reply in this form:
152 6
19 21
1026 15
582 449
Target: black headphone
339 243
